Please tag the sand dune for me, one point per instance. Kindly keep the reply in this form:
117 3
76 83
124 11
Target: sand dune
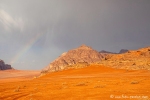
90 83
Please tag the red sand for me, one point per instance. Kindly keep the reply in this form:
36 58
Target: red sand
90 83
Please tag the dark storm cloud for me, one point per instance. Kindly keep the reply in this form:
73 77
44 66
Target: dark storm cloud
66 24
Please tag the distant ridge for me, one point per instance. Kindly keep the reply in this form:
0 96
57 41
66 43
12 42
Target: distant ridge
103 51
123 51
82 55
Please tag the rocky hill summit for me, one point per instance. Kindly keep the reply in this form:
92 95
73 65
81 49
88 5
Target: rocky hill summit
132 59
81 57
4 66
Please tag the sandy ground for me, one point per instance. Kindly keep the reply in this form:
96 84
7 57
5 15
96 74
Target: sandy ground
18 75
90 83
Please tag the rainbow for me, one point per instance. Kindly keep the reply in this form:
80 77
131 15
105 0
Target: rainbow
26 48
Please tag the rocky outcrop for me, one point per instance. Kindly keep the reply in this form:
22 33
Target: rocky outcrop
4 66
84 55
79 57
133 59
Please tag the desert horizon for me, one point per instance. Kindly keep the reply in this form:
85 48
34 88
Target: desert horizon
82 80
74 49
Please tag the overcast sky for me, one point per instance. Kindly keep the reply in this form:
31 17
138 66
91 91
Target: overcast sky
35 32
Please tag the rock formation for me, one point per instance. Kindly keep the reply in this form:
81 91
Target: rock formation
84 55
133 59
4 66
79 57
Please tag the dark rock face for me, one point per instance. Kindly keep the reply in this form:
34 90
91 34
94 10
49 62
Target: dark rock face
82 55
4 66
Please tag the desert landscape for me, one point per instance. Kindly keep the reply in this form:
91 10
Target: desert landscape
74 49
80 79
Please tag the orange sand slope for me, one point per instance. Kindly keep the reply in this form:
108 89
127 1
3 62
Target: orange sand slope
90 83
11 75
